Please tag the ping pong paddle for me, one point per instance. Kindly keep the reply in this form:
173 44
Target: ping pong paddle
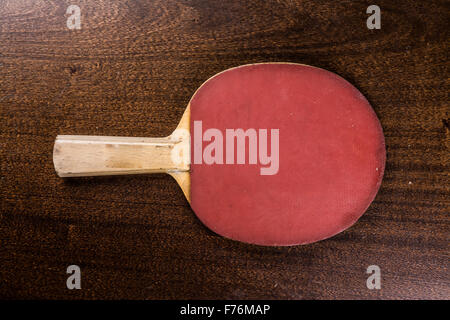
268 154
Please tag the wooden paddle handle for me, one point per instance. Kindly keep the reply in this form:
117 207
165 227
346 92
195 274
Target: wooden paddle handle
77 156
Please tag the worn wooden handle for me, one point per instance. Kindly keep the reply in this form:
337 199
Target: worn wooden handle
76 156
81 156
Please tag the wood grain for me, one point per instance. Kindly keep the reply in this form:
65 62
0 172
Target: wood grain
131 70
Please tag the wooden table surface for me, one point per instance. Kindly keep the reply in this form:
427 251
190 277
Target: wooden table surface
131 70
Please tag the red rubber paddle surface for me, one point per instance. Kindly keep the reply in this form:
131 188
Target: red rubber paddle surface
331 154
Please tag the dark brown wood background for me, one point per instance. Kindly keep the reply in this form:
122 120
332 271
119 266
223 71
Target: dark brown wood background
131 70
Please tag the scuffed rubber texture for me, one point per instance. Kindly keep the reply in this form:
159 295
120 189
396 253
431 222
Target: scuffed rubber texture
332 155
